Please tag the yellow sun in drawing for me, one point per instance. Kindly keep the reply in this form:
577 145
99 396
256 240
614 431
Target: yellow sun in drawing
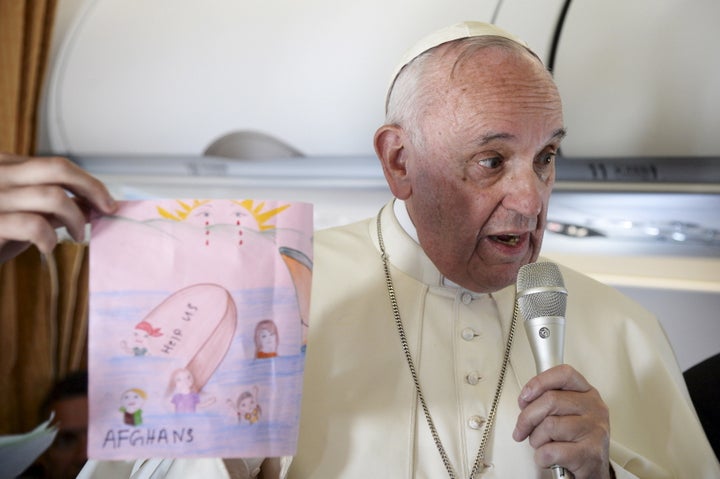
260 213
184 211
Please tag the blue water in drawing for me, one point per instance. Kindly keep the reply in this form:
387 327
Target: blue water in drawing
213 430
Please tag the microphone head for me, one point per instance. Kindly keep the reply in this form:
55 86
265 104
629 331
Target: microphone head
540 291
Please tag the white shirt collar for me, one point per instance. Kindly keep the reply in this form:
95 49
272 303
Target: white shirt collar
403 217
401 213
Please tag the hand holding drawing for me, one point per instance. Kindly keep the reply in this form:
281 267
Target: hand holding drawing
34 201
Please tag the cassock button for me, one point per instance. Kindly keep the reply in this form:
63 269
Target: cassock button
466 298
473 378
468 334
476 422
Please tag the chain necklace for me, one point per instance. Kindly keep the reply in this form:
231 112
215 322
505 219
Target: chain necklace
479 464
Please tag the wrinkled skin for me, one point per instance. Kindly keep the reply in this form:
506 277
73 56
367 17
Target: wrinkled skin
478 190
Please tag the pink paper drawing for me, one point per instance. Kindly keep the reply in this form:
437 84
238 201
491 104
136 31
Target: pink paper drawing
132 402
192 302
196 324
137 345
266 339
184 391
246 406
300 267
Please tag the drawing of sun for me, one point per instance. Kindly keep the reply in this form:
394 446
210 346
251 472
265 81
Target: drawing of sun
247 213
184 211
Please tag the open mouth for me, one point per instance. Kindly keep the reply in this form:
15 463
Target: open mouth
508 240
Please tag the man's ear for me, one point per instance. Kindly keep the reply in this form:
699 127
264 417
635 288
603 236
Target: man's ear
393 150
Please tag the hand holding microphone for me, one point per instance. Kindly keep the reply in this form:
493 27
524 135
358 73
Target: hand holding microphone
580 429
541 299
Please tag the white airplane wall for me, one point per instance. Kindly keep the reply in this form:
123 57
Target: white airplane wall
169 76
173 75
641 77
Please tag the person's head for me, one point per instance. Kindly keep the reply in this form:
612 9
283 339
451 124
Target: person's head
266 336
133 399
246 402
472 128
182 382
143 330
69 401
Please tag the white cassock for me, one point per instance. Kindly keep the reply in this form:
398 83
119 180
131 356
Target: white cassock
361 417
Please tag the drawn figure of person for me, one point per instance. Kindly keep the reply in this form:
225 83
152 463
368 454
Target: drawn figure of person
246 407
132 401
184 394
143 330
266 339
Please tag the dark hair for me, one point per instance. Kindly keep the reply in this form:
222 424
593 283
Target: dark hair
73 385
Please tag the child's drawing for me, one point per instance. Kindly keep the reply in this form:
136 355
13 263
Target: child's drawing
246 406
138 344
132 401
198 323
266 339
184 392
193 300
300 267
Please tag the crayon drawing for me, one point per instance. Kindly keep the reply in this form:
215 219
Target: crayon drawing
198 328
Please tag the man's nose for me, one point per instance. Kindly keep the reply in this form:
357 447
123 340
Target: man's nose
525 191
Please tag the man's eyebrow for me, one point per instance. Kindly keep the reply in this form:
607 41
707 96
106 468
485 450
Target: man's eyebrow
559 134
485 139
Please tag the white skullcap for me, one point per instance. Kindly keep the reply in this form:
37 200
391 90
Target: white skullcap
448 34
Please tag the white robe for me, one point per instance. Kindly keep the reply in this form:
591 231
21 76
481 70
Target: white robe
360 415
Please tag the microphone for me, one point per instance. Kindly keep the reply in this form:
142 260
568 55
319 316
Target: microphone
541 298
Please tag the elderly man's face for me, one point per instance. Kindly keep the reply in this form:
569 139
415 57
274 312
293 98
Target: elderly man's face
481 183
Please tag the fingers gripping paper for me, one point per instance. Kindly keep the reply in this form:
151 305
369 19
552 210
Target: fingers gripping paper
198 325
